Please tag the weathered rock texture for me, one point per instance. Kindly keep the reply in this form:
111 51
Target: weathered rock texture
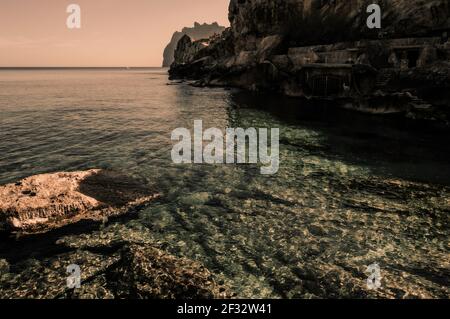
113 268
310 22
44 202
324 49
149 273
198 32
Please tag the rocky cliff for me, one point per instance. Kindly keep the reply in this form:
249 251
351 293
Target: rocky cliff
199 31
323 48
309 22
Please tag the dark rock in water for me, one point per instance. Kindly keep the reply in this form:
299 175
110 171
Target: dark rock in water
4 266
123 264
145 272
324 50
199 31
44 202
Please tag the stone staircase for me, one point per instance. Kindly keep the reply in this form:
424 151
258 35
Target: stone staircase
419 104
383 78
420 109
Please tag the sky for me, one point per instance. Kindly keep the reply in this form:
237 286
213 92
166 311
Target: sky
133 33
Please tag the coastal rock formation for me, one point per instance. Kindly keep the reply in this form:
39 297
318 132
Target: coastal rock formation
324 49
129 269
198 32
311 22
44 202
186 49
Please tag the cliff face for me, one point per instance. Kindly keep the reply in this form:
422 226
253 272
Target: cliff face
323 48
299 23
199 31
312 22
318 21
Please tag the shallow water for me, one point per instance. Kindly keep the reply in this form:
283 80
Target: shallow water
352 189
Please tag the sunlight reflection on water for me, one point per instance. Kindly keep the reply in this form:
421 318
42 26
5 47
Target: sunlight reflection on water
352 190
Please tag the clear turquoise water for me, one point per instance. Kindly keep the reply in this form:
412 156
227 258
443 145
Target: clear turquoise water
352 189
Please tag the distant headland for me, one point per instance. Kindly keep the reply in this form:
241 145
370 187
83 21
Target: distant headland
198 32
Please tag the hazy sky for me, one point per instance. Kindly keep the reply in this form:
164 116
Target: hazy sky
113 32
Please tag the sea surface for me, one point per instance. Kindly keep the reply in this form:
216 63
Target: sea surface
353 190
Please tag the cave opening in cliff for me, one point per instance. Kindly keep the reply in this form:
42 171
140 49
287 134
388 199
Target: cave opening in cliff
408 56
413 57
326 85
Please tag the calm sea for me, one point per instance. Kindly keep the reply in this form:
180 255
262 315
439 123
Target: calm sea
352 190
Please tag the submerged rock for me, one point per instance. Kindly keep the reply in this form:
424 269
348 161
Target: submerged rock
133 270
4 266
195 199
145 272
44 202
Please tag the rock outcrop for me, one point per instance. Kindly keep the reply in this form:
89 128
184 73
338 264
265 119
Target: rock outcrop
198 32
124 268
324 49
43 202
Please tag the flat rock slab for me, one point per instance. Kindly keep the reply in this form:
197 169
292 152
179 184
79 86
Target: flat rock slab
44 202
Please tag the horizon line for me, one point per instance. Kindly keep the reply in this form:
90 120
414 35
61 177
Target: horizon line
80 67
